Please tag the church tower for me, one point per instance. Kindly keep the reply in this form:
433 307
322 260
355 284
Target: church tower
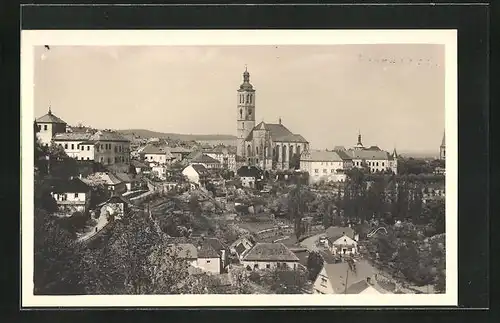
245 112
442 149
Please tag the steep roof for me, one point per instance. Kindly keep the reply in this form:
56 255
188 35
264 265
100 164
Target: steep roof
270 252
200 169
339 273
336 232
205 159
369 154
50 118
321 155
74 185
277 132
179 150
362 285
184 250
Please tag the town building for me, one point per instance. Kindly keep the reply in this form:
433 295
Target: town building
347 278
108 180
242 245
225 155
442 149
267 145
116 206
140 167
372 158
207 254
196 173
205 160
265 255
105 147
157 154
48 126
71 195
328 166
250 176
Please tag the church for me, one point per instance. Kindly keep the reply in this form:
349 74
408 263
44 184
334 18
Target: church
266 145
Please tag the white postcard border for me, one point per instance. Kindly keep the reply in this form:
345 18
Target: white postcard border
31 38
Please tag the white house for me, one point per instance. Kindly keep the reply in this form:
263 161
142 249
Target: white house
249 176
207 254
373 158
71 195
207 161
327 166
270 256
342 241
347 278
196 173
157 154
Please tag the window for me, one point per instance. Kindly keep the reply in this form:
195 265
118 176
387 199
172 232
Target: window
82 147
88 158
332 170
316 170
120 148
241 113
76 195
65 146
377 163
116 160
45 127
256 266
208 261
382 164
109 160
324 171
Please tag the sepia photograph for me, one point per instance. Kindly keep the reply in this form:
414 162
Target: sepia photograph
282 167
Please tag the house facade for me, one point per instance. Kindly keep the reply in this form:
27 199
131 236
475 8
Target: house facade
105 147
270 256
226 157
249 176
71 195
373 158
329 166
196 173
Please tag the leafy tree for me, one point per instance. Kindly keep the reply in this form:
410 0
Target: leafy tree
57 265
314 265
298 200
285 281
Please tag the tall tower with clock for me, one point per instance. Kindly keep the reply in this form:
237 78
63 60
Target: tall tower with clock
245 112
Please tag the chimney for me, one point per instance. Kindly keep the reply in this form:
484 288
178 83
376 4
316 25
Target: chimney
280 120
369 280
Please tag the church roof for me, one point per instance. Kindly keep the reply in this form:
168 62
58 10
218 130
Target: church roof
49 118
278 132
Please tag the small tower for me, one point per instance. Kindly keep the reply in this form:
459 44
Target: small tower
245 113
359 145
442 148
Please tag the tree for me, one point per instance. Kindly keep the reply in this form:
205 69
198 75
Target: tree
314 265
57 265
285 281
298 200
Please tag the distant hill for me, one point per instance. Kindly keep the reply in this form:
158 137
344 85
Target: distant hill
143 133
419 154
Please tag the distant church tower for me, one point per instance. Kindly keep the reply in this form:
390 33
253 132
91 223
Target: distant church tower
359 145
442 149
245 112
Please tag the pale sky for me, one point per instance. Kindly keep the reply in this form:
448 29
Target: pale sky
393 94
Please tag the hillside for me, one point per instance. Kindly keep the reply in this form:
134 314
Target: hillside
143 133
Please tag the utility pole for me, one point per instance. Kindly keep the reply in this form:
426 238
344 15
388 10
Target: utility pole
346 280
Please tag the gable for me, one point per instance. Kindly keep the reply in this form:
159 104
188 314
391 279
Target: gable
344 240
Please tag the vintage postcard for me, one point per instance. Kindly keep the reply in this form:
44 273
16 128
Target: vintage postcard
283 167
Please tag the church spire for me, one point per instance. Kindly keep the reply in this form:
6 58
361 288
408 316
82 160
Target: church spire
359 138
50 110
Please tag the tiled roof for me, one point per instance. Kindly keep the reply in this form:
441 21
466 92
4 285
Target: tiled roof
277 132
87 136
49 118
177 150
339 273
72 136
369 154
343 154
206 250
270 252
336 232
154 149
108 136
200 169
108 178
138 164
205 159
249 171
321 155
74 185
